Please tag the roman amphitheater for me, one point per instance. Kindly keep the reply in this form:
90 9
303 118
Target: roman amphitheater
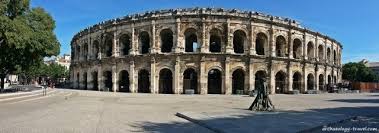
203 51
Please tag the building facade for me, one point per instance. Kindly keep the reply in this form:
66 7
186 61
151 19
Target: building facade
204 50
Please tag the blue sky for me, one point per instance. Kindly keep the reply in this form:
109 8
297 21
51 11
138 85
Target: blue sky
354 23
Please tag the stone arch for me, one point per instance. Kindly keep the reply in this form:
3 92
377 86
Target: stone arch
239 41
321 84
296 81
78 80
125 44
85 85
310 81
108 86
328 52
320 52
261 42
123 81
214 81
259 75
280 82
144 42
95 49
191 40
310 50
108 45
167 40
297 45
238 81
165 81
215 40
95 80
280 46
190 80
143 81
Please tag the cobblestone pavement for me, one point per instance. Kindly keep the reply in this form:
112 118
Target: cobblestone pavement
103 112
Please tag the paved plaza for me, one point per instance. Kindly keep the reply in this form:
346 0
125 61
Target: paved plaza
102 112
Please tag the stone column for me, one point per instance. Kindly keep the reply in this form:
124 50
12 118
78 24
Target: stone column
305 46
153 87
272 45
316 79
271 79
251 75
100 81
229 38
177 79
114 79
132 77
205 43
89 48
290 45
115 45
178 46
153 49
305 79
228 78
252 40
134 48
316 49
203 78
289 78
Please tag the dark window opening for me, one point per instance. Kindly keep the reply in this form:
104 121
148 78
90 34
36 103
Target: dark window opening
107 81
191 40
125 44
321 82
310 82
280 46
310 50
108 46
238 81
190 80
215 41
296 49
165 81
167 40
280 82
144 42
94 81
85 87
95 49
123 81
260 43
239 39
259 75
214 81
143 81
296 81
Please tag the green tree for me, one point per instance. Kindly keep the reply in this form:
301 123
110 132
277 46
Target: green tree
353 71
26 36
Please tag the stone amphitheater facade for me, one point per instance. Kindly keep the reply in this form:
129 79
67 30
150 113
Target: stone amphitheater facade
203 51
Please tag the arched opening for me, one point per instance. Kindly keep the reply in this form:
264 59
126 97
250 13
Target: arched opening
321 85
239 39
94 81
107 81
167 40
144 42
108 45
143 81
310 82
190 80
296 48
238 81
334 79
78 80
296 81
328 52
310 50
123 81
320 52
280 46
329 84
125 44
215 40
165 81
259 75
335 57
260 43
214 81
96 49
85 86
191 40
85 51
78 53
280 82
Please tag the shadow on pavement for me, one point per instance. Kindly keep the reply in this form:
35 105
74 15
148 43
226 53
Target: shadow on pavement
247 121
357 100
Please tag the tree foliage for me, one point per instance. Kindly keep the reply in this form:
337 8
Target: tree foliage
26 36
353 71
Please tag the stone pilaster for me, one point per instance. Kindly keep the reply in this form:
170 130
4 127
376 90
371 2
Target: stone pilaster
177 88
290 45
252 40
134 48
271 79
100 79
271 42
114 79
251 75
153 46
115 45
229 38
89 79
178 46
203 78
132 77
204 40
289 78
228 78
153 82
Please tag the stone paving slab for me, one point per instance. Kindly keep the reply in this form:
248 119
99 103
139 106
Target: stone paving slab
280 121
